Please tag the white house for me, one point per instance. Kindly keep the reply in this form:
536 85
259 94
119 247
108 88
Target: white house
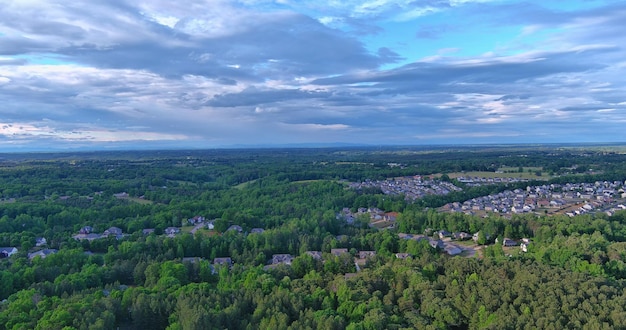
6 252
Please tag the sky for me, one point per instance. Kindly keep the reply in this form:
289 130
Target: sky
162 74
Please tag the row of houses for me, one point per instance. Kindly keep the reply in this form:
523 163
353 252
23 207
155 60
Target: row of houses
360 258
87 233
474 181
412 187
552 196
6 252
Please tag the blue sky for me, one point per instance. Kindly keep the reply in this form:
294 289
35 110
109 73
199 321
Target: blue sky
213 73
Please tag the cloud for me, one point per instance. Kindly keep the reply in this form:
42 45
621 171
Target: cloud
217 72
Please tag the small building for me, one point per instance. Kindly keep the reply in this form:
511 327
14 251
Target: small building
461 236
225 261
87 237
40 241
452 249
86 230
256 230
147 231
6 252
121 195
317 255
41 253
338 252
391 216
198 219
476 234
509 242
236 228
366 254
284 259
402 255
171 231
113 231
436 244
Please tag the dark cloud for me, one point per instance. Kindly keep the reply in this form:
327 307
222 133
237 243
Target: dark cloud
482 71
291 45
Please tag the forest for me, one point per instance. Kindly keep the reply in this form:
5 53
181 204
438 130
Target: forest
251 239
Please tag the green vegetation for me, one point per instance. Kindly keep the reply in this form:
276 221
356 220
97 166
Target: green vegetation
572 275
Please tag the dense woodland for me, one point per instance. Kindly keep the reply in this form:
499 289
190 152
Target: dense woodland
573 275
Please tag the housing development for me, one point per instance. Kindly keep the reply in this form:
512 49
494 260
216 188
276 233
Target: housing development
569 198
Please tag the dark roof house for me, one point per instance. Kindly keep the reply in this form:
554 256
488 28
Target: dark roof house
6 252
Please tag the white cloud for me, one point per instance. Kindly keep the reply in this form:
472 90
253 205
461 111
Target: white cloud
252 70
317 127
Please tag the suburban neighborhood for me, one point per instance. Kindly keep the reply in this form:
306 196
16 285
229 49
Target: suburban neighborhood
570 199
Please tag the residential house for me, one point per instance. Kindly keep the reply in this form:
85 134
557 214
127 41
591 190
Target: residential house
391 216
41 253
86 230
256 230
452 249
88 237
402 255
317 255
284 259
436 244
543 203
113 231
443 233
236 228
225 261
210 225
196 220
148 231
171 231
461 236
40 241
6 252
366 254
508 242
121 195
338 252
